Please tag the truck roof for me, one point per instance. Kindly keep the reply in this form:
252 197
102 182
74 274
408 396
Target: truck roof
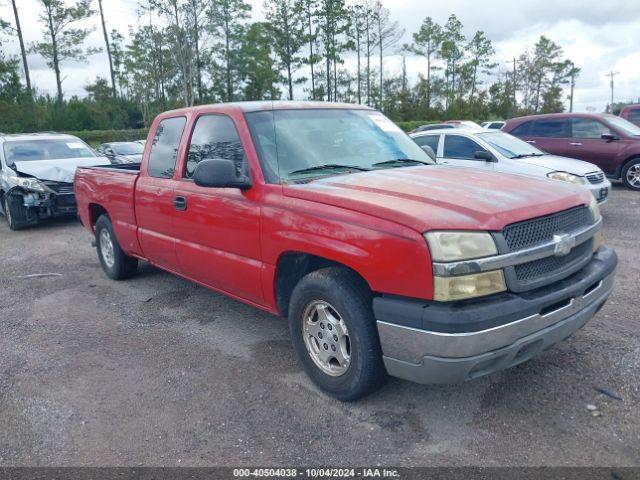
257 106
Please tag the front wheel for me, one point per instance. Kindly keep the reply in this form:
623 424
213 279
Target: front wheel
631 174
13 211
115 263
334 333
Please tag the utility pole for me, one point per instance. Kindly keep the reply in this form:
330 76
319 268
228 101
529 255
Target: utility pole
514 79
612 75
574 72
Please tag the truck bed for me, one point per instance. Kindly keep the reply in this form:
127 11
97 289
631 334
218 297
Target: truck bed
110 190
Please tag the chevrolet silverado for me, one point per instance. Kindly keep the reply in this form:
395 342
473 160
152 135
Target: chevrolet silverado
330 215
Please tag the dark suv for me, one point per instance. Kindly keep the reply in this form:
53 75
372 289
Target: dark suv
610 142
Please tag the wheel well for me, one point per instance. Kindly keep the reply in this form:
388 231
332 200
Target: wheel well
292 266
95 211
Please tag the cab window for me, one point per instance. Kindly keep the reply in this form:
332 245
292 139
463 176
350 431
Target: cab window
215 137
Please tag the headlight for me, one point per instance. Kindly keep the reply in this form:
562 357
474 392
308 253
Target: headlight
595 209
453 246
446 289
27 183
567 177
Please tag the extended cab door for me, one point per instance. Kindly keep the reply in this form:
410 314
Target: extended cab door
154 196
218 231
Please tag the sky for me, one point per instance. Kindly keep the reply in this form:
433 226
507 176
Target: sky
598 36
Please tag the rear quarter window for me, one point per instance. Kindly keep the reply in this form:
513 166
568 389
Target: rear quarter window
552 128
522 130
164 147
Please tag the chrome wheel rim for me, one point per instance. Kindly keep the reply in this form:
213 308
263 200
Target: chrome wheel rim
326 338
106 248
633 175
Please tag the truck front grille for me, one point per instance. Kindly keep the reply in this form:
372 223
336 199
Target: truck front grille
595 177
541 230
531 233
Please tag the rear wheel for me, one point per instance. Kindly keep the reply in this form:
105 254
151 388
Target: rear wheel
334 333
115 263
631 174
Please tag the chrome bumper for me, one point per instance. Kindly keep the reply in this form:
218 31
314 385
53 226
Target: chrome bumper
436 357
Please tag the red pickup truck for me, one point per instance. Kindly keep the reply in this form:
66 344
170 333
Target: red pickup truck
384 262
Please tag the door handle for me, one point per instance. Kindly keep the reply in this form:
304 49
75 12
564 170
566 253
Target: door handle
576 144
531 141
180 203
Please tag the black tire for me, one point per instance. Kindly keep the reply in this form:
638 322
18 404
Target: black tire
350 297
13 212
631 169
120 266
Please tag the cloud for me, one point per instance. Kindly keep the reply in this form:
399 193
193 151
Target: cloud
598 36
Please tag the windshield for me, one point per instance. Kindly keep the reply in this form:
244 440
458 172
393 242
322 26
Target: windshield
298 144
509 146
29 150
128 148
622 124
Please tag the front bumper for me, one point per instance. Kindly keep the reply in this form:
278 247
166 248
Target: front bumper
601 191
432 342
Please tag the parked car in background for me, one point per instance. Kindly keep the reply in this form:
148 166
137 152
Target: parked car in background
500 152
494 125
36 176
610 142
463 123
383 261
122 152
142 142
631 113
432 126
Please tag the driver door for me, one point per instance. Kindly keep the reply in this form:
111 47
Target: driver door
217 230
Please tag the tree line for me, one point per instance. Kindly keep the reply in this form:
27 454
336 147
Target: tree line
186 52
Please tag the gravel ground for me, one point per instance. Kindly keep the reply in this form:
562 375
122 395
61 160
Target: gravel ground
158 371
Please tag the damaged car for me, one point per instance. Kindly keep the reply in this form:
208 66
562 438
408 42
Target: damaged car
36 176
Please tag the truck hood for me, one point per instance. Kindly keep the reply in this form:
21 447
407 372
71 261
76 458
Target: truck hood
59 170
563 164
442 197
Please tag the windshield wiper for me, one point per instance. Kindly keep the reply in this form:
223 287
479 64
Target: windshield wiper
527 155
330 166
400 160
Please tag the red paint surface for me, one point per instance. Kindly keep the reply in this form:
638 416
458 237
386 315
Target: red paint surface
231 240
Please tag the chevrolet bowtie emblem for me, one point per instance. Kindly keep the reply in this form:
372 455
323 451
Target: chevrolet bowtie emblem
563 244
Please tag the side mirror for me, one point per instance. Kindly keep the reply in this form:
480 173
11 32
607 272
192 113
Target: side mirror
609 137
219 173
429 151
486 156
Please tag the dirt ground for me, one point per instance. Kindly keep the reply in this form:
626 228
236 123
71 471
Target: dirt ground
158 371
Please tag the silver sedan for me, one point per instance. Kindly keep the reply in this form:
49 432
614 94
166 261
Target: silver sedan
501 152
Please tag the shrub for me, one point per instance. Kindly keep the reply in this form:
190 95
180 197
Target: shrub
96 137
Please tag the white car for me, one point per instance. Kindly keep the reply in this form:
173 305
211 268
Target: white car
36 175
500 152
